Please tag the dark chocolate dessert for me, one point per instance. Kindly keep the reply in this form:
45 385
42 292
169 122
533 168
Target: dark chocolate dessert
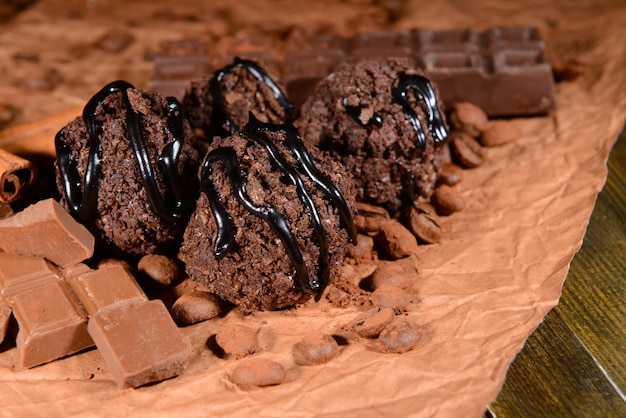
220 105
385 122
273 220
123 169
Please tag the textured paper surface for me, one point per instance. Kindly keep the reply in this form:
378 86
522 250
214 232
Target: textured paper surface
481 292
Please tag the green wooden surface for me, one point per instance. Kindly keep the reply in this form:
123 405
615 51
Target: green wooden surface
574 364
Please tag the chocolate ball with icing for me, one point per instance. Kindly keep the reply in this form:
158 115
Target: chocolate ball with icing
220 104
123 169
273 220
385 122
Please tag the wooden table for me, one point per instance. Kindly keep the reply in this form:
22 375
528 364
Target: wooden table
574 364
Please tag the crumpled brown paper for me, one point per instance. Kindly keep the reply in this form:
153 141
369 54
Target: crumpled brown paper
482 291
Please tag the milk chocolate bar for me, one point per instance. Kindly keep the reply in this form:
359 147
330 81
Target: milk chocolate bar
139 342
59 303
106 286
52 324
51 321
137 338
5 315
503 70
46 230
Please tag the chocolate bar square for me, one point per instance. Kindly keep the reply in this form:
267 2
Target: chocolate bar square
51 323
139 342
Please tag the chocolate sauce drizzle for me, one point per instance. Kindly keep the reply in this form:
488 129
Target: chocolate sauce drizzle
225 239
220 119
83 200
423 91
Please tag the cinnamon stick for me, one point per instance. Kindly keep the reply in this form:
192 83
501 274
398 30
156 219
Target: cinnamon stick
16 174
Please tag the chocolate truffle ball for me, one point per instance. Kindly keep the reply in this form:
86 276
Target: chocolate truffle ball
385 122
220 104
273 220
127 170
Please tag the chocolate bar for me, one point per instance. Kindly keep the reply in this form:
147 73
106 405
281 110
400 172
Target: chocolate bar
503 70
106 286
60 238
139 342
59 312
51 321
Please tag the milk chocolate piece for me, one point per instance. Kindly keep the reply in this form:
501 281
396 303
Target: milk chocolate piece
110 285
51 323
15 174
137 338
19 273
46 230
503 70
139 342
5 315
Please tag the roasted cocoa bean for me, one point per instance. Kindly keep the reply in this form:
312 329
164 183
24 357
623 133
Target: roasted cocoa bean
195 307
400 336
469 118
369 324
446 200
393 297
465 149
400 273
451 174
258 372
159 269
500 132
395 240
237 340
425 226
370 219
316 348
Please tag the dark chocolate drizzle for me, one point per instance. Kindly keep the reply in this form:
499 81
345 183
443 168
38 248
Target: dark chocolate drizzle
83 200
220 119
355 113
423 91
224 242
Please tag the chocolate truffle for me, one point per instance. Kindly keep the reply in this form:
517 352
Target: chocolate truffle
273 220
220 104
123 169
385 122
